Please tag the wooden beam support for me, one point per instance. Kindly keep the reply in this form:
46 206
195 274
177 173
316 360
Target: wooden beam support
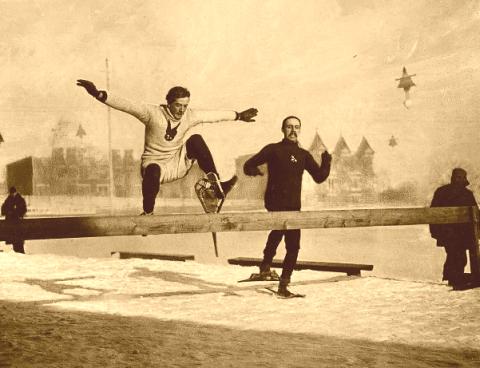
164 257
78 227
351 269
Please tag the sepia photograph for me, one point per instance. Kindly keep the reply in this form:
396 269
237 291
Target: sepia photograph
239 183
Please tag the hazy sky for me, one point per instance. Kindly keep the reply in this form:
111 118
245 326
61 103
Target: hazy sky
331 62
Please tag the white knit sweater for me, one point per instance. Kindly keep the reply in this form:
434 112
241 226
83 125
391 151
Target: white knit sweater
155 118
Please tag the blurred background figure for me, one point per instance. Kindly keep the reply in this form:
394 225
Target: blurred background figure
14 208
455 238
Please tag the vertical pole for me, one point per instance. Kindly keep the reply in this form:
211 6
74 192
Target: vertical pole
474 250
215 247
110 158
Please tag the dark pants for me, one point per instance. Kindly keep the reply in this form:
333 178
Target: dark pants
454 266
292 243
15 238
197 149
18 245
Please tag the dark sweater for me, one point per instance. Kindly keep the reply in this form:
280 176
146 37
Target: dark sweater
286 162
14 207
453 196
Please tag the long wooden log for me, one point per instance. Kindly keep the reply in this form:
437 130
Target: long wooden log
78 227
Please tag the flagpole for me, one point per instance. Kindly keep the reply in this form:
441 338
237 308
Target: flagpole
110 159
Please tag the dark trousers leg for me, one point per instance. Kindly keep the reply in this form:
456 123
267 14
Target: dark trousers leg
454 267
273 240
18 245
198 150
292 242
150 186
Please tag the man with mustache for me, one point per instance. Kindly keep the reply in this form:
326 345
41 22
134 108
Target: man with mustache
455 238
286 162
167 157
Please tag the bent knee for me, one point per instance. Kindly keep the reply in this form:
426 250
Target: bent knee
152 172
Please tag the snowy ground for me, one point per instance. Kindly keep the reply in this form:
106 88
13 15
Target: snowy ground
371 308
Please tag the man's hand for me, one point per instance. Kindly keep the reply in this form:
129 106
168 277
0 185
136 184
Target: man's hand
89 86
247 115
253 171
326 157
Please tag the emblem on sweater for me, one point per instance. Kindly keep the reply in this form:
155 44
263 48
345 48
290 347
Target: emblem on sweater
293 159
170 133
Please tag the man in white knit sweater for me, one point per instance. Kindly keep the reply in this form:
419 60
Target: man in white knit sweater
167 156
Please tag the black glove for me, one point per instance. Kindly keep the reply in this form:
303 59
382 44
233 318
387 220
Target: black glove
326 157
247 115
89 86
252 171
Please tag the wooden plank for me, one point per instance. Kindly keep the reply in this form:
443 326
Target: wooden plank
348 268
165 257
78 227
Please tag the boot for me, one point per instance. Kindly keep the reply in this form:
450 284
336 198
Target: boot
267 274
282 288
221 188
146 213
270 275
228 185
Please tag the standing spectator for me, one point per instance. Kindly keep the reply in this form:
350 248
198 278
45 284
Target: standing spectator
14 208
455 238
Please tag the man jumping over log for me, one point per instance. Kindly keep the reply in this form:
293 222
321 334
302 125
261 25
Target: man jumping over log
286 162
167 156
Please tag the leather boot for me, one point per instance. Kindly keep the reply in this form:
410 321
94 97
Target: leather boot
282 288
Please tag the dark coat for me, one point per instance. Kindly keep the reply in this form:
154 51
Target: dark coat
286 162
14 208
459 234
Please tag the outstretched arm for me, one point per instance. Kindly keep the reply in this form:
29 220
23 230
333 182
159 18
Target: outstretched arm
118 103
213 116
319 173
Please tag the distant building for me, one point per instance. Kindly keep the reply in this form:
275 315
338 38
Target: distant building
352 178
74 168
75 172
20 175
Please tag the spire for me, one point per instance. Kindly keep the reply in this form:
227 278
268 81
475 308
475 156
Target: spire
317 144
81 132
341 148
364 148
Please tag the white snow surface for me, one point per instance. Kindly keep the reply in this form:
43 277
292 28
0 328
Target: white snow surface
367 307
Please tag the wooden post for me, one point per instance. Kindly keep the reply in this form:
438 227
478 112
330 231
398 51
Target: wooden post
474 251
